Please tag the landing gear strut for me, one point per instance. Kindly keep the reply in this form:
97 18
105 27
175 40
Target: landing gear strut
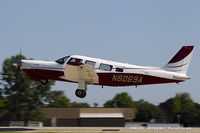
81 91
44 81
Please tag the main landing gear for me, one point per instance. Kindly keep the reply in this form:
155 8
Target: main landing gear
80 93
82 88
44 81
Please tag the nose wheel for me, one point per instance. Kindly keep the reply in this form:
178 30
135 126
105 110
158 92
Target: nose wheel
80 93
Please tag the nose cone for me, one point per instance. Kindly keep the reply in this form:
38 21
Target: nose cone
17 63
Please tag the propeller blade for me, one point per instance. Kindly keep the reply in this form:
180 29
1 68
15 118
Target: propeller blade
17 63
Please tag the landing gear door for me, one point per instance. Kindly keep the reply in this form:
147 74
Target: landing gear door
88 74
71 73
82 72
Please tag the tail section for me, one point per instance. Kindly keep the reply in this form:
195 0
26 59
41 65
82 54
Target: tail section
180 62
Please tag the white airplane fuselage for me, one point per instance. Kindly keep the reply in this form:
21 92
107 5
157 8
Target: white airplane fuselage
86 70
131 75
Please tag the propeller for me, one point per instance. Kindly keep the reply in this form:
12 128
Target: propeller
18 64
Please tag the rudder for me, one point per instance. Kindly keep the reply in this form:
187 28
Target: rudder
180 62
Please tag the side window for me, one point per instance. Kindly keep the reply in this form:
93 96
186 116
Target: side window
119 69
75 61
92 63
105 67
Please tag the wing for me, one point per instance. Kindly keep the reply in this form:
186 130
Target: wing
87 73
82 72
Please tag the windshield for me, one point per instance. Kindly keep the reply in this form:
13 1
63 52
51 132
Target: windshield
62 60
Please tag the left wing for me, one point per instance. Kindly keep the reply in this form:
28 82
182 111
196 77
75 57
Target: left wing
83 72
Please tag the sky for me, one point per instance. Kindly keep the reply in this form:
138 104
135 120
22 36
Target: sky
137 32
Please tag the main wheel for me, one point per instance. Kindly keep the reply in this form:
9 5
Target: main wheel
44 81
80 93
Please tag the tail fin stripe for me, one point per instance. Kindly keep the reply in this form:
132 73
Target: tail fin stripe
177 66
182 53
180 62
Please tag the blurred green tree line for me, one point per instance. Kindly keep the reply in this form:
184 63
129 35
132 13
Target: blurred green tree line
179 109
23 98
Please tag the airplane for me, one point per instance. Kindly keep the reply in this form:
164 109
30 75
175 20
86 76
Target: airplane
94 71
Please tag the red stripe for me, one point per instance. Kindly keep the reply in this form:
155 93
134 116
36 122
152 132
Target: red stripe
177 66
182 53
127 79
107 79
43 74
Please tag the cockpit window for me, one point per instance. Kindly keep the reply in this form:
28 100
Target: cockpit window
62 60
75 61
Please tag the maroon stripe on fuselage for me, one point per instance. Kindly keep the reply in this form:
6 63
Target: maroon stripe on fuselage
128 79
107 79
38 74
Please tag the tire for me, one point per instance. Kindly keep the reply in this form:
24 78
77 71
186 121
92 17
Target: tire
80 93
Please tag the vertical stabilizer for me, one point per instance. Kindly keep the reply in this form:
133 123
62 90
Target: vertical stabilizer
180 62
